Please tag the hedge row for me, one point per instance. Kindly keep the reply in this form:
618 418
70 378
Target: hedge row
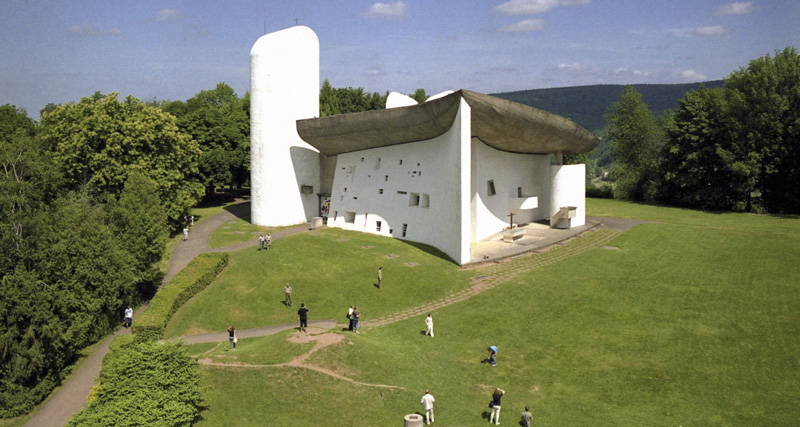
201 271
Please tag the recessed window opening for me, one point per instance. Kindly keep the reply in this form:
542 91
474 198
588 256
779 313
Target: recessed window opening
386 178
380 191
306 189
335 214
417 164
405 229
425 201
378 163
377 226
401 161
349 217
355 198
413 199
345 189
362 160
401 192
490 188
519 192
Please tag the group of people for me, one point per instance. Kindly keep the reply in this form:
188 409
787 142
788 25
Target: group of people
353 316
264 241
497 396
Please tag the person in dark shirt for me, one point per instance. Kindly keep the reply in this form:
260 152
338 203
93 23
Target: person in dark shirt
496 396
303 313
232 337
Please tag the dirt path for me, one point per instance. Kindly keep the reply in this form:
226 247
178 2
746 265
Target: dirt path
322 339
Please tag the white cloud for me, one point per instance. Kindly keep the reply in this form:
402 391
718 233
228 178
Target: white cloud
693 75
89 30
387 10
375 71
624 71
529 7
716 30
738 8
524 26
167 14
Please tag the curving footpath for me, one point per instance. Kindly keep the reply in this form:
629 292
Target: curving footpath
71 396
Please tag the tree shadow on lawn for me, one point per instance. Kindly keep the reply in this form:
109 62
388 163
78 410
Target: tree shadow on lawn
240 210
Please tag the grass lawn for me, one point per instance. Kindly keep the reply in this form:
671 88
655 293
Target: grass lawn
691 320
269 350
328 270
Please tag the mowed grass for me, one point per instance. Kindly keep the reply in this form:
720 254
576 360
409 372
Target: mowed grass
692 320
328 270
236 231
268 350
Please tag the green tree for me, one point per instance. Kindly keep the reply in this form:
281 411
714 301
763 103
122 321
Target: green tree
328 104
99 141
764 101
334 101
220 122
140 224
700 164
635 142
419 95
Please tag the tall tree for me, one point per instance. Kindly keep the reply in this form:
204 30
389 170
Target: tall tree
99 141
419 95
764 103
219 121
701 166
635 142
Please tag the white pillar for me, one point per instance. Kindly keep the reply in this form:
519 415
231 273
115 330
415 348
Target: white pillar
284 87
568 188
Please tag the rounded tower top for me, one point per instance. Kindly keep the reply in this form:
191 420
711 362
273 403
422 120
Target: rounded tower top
298 36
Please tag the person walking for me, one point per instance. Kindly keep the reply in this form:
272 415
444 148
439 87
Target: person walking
303 314
429 324
427 405
526 418
496 396
269 241
232 337
356 316
492 355
185 234
192 220
261 242
128 317
380 276
350 319
287 291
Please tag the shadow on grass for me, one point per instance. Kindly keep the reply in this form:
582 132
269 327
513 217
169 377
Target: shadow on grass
430 250
240 210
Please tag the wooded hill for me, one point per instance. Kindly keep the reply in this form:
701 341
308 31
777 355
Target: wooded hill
586 105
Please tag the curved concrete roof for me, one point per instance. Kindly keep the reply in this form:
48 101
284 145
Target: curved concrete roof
501 124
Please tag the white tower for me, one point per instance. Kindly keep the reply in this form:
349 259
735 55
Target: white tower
284 87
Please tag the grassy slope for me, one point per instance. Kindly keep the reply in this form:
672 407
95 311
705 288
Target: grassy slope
691 322
328 271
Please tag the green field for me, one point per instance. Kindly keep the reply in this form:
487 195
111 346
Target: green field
689 320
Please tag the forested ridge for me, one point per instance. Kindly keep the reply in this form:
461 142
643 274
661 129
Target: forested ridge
586 105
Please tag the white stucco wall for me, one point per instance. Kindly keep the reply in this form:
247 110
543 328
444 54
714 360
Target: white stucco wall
430 169
508 171
569 189
284 87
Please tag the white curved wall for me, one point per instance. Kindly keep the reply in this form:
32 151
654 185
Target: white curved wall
382 185
397 100
508 172
284 87
569 189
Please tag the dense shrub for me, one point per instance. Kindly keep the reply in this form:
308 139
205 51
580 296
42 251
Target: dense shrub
191 280
152 384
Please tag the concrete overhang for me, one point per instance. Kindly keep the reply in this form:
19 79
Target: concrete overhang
499 123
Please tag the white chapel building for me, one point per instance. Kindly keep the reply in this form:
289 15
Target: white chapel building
448 172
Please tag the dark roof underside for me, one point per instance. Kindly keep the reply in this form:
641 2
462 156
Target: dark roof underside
500 124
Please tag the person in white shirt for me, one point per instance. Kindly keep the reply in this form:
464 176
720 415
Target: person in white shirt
427 405
128 317
429 324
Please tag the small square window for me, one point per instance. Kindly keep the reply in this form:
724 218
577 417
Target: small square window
413 199
490 188
377 226
380 191
306 189
401 162
405 229
386 178
425 201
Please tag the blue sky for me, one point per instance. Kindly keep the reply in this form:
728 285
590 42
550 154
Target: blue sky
60 51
